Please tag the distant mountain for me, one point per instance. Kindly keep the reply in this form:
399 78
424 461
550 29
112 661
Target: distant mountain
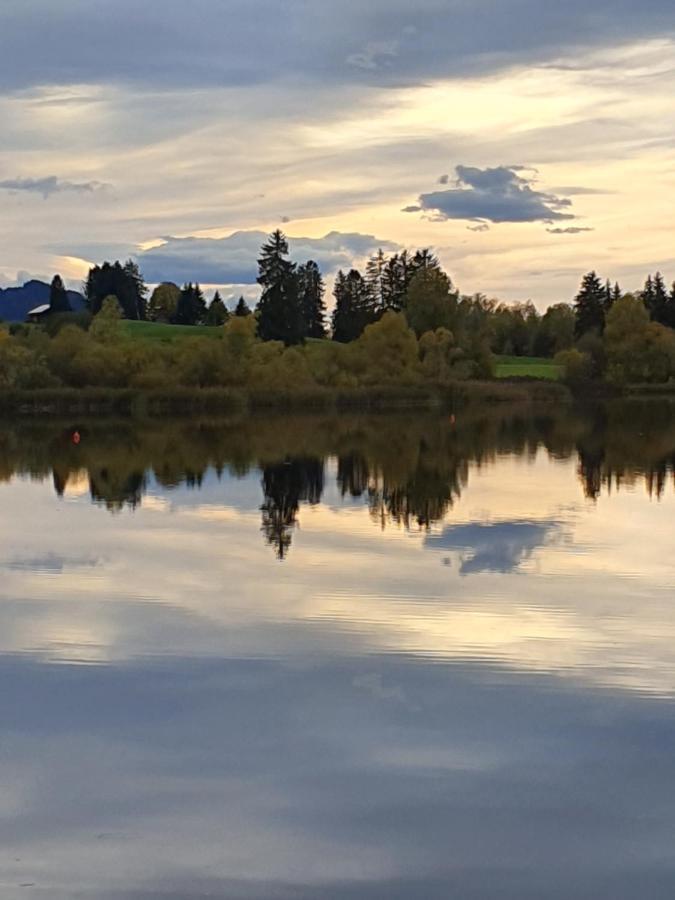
17 302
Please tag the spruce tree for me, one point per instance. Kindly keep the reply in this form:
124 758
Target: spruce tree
669 317
375 280
279 312
191 308
58 296
658 310
217 313
311 291
353 307
124 282
242 309
647 295
395 281
136 286
198 306
423 259
608 296
183 314
589 306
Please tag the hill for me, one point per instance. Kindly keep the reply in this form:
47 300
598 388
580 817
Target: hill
17 302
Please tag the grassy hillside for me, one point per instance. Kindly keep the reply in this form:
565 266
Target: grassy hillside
158 331
527 367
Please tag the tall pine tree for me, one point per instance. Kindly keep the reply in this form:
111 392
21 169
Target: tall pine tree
191 308
655 298
58 296
137 289
279 312
311 290
375 279
589 306
354 307
123 282
395 281
242 309
670 308
217 313
423 259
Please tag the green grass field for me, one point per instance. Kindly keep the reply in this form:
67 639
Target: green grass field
158 331
527 367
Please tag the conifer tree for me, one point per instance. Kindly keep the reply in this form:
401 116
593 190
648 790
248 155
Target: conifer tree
191 308
395 282
669 317
217 313
124 282
589 306
423 259
198 305
135 285
375 278
353 307
311 290
608 296
279 312
658 299
58 296
242 309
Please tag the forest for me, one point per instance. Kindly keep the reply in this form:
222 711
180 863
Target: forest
400 322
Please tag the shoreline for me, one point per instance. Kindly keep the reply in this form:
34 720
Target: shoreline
226 401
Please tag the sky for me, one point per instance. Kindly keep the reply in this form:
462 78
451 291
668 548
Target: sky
526 143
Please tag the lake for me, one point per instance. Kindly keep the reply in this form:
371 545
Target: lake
339 658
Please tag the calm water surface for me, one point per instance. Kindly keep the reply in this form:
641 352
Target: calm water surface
350 658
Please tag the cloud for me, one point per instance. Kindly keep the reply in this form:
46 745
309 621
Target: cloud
385 40
494 195
49 185
233 259
571 230
500 547
51 563
375 54
576 190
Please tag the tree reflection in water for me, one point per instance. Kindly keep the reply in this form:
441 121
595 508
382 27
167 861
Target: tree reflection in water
285 486
408 471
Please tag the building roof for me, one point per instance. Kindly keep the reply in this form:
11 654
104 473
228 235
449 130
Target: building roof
39 310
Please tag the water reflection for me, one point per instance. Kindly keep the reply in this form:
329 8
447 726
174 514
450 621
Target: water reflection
409 472
285 486
458 684
499 547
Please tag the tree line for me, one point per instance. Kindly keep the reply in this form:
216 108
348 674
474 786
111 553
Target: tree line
603 333
621 337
